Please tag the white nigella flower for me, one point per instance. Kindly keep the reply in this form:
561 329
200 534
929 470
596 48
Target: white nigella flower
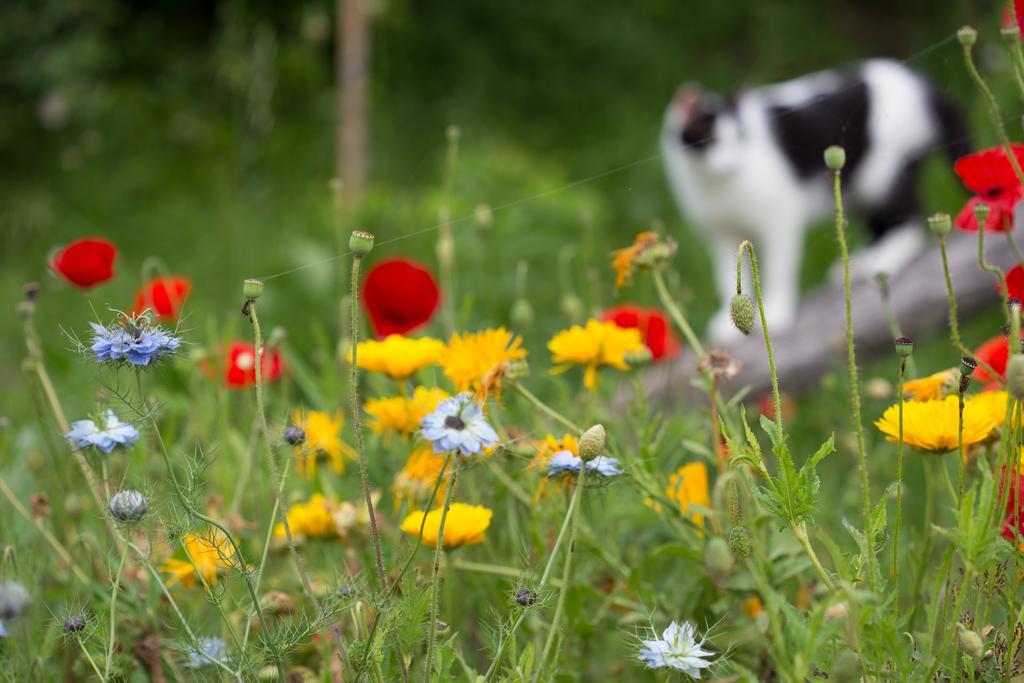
458 424
678 648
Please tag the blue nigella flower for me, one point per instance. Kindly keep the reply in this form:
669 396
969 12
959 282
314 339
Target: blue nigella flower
564 462
458 424
677 648
146 346
86 433
211 646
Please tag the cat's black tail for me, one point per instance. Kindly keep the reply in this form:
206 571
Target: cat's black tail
954 137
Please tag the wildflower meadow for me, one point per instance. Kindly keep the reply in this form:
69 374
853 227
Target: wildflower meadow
429 451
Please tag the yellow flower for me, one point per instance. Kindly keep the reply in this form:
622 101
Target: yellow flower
398 356
464 525
401 414
311 519
209 553
688 486
323 435
479 360
624 260
546 449
596 344
753 606
931 387
932 426
417 479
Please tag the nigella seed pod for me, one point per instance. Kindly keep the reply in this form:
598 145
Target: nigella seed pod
967 35
294 435
904 347
74 624
835 157
741 310
591 443
252 289
971 642
739 542
360 242
967 366
526 597
940 224
718 560
1015 376
128 505
14 599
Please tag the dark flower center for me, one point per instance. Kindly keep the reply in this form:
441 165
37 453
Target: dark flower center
454 422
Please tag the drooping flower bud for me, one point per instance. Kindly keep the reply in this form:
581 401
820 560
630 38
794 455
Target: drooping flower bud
360 243
526 597
14 599
904 347
718 560
835 157
252 288
739 542
1015 376
940 224
591 443
128 505
74 624
294 435
967 35
970 642
741 310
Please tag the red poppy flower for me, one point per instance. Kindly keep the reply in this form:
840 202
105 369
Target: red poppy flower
653 325
240 370
164 296
400 296
1018 8
995 352
1015 280
990 176
1014 521
86 263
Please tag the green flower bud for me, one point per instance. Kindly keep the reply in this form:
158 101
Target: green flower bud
739 542
741 310
718 560
522 314
360 243
967 366
835 157
445 249
1015 376
971 642
592 442
641 356
845 668
940 224
981 211
904 347
572 307
967 36
252 289
1010 33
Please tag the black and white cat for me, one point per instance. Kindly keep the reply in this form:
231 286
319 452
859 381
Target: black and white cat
752 167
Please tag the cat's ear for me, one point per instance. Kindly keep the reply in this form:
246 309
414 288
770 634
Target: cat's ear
687 98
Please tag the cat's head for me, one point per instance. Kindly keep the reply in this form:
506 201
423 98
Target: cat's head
703 123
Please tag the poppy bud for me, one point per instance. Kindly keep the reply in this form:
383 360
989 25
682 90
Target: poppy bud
718 560
641 356
904 347
521 316
741 310
739 542
360 243
526 597
14 599
572 307
252 289
294 435
940 224
967 36
967 366
970 642
74 624
453 133
1010 33
845 668
1015 376
483 215
591 443
128 505
835 157
445 249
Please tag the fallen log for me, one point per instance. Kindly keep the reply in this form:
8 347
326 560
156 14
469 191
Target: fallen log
816 342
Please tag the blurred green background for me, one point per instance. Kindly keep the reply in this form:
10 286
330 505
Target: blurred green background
198 136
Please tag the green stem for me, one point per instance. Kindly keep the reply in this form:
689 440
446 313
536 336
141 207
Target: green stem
1013 247
776 395
88 656
960 455
569 516
677 315
993 112
113 614
570 553
997 272
800 531
899 492
436 570
547 410
854 380
890 316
